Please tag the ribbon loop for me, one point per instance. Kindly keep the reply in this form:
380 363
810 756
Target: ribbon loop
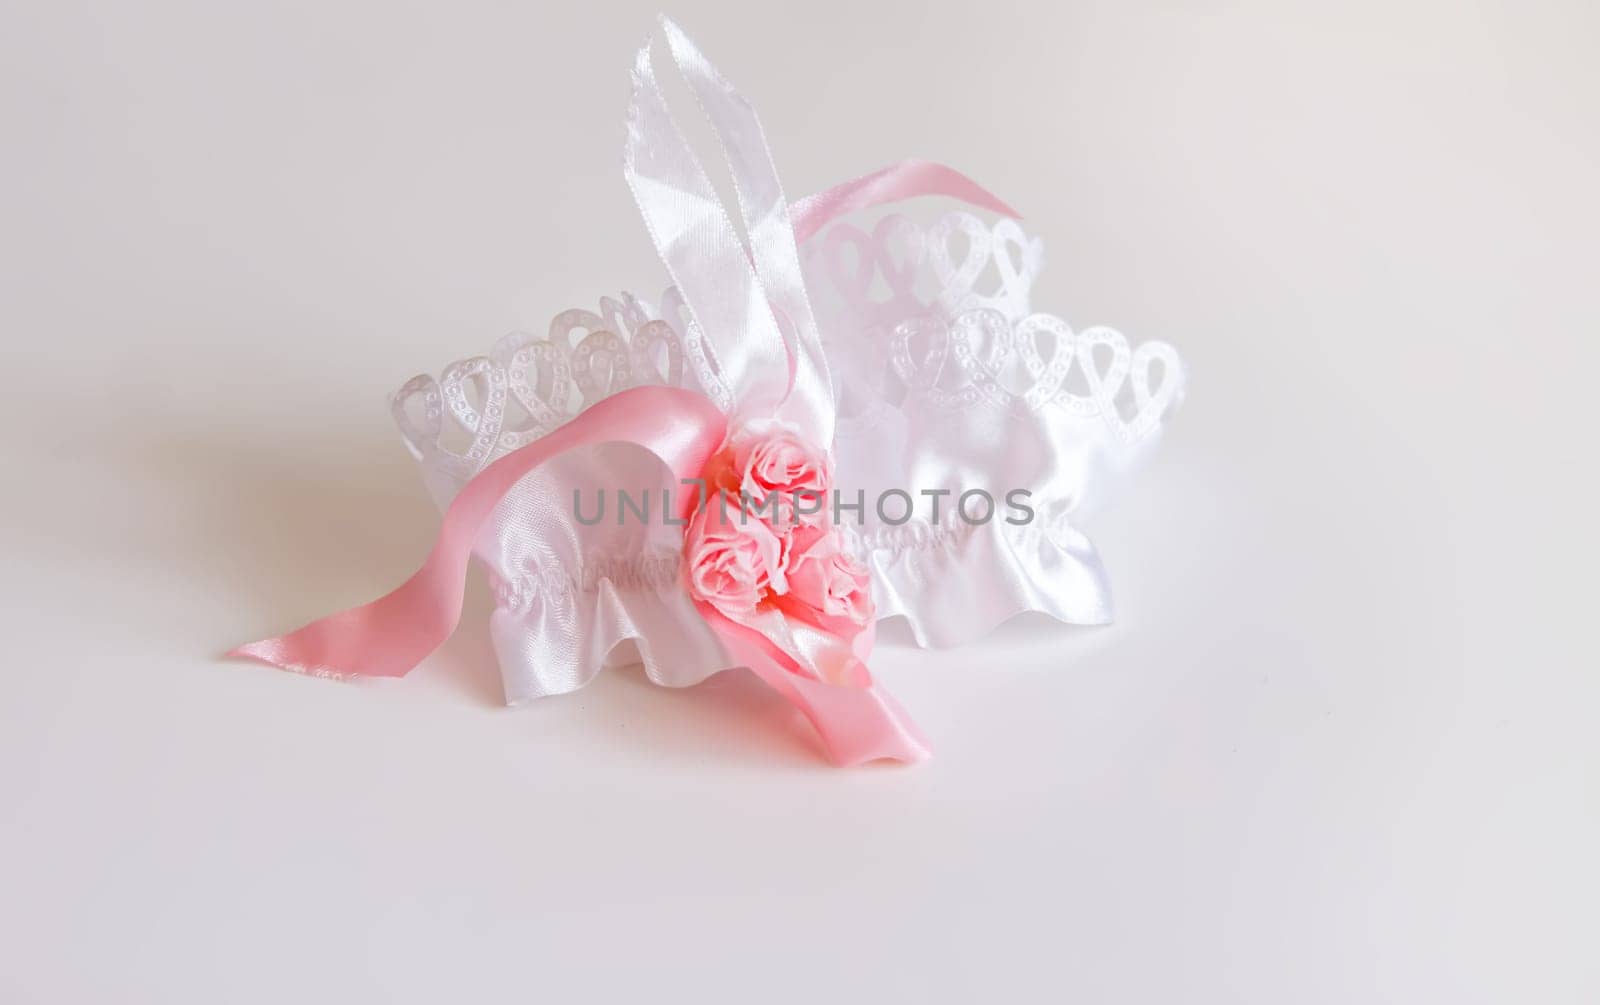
809 401
702 252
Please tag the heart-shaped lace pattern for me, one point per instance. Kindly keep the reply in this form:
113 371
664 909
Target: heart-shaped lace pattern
901 268
979 356
528 385
943 311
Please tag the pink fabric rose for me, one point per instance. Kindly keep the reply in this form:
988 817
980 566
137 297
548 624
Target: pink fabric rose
733 563
826 578
772 457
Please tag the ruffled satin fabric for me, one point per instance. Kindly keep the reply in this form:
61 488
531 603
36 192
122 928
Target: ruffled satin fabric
952 383
573 599
876 326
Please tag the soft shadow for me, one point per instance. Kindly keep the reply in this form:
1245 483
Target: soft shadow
731 718
1027 630
291 530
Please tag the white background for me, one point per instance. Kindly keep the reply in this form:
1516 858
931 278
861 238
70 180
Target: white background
1339 748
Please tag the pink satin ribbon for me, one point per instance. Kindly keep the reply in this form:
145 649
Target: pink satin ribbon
855 724
904 180
391 635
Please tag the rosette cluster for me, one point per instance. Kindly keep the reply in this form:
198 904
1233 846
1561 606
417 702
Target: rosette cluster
760 544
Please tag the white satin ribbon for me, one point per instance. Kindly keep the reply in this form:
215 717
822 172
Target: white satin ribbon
736 293
767 221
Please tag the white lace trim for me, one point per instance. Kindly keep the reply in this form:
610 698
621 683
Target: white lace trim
481 408
919 326
920 317
917 266
922 323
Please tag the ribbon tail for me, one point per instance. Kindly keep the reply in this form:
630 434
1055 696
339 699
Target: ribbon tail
904 180
855 724
391 635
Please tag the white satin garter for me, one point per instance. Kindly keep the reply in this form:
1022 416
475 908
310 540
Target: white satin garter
928 437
